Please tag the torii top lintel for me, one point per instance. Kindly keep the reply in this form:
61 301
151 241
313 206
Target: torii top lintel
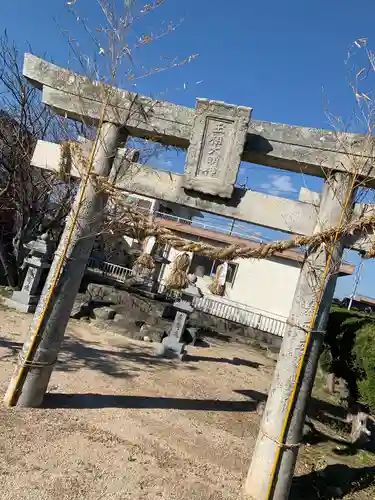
298 149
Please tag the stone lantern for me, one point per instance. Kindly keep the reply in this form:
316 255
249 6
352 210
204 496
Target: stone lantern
38 260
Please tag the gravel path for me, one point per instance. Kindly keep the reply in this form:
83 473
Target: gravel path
122 424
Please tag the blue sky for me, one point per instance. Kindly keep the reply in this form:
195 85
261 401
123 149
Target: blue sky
284 59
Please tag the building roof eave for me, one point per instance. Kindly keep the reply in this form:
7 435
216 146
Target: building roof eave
226 239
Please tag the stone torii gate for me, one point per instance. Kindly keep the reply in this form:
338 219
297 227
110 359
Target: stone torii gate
217 137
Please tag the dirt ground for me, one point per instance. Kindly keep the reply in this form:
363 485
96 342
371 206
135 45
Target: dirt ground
120 423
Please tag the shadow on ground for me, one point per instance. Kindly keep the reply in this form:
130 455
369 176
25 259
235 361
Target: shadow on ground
76 355
147 402
331 416
12 348
322 411
233 361
335 481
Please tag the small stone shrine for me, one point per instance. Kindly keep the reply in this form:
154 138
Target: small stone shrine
37 261
174 344
148 278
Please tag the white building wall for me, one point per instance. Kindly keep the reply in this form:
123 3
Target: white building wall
266 285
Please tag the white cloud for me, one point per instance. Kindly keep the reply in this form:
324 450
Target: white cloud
162 163
279 184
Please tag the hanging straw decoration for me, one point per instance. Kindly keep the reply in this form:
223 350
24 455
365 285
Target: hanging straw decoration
217 286
177 279
145 264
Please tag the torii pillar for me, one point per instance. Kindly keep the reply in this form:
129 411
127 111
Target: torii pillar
276 449
39 353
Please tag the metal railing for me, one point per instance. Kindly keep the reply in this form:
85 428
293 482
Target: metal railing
114 271
215 226
239 313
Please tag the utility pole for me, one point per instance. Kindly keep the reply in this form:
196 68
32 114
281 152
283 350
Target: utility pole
276 450
232 226
356 283
39 353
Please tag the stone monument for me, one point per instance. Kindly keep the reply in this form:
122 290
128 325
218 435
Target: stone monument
216 145
173 345
38 260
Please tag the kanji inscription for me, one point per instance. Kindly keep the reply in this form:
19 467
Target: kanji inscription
213 148
216 146
178 324
29 279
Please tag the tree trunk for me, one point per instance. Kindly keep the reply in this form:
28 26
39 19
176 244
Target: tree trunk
9 266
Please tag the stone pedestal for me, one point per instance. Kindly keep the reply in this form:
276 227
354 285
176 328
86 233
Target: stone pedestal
174 344
37 261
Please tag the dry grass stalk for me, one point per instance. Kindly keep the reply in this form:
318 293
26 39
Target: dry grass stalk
144 265
177 279
135 221
215 287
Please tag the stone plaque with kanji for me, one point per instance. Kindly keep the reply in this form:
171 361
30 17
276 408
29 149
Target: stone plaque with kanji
216 146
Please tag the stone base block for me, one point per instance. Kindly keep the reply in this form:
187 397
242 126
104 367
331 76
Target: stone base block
171 348
22 306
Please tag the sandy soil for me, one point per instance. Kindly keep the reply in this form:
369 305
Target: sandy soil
121 423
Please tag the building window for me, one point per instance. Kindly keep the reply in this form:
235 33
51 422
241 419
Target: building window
204 266
231 273
201 266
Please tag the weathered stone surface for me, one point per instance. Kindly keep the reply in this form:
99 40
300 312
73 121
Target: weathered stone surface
216 147
291 216
76 242
249 206
127 327
126 303
100 292
178 335
81 306
152 332
103 313
178 326
132 312
165 119
158 322
118 297
301 149
170 349
37 261
335 207
22 301
118 318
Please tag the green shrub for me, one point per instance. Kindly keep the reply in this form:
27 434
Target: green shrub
349 352
364 353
